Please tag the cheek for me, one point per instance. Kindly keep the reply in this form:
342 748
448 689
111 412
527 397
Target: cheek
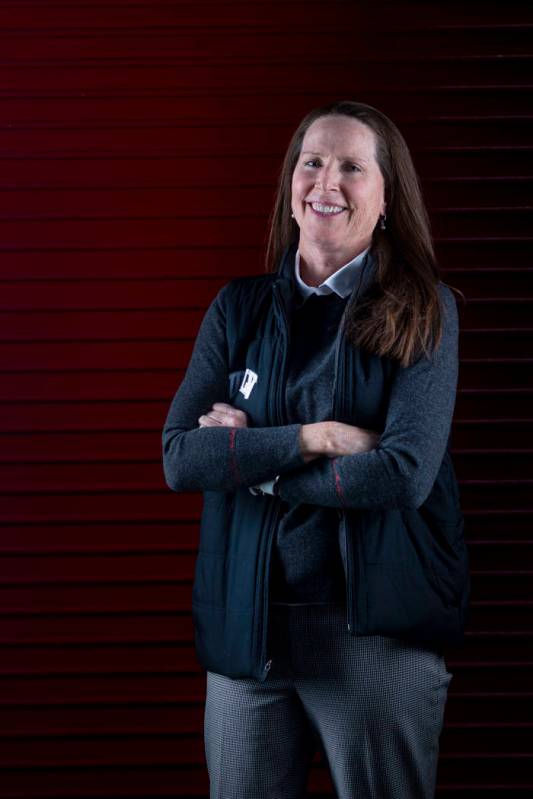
367 203
298 186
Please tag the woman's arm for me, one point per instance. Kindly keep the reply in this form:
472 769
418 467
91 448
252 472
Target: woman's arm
219 458
401 470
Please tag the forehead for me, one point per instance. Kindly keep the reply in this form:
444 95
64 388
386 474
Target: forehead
340 134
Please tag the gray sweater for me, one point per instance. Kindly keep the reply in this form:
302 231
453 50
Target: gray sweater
399 472
306 561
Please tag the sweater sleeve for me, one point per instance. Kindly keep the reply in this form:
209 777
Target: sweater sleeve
401 470
219 458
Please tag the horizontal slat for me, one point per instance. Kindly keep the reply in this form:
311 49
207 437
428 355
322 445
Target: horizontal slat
475 670
497 494
220 197
93 355
143 12
137 565
111 19
120 347
166 598
51 130
171 174
482 221
488 190
145 355
175 201
51 604
110 15
37 416
118 691
122 233
209 104
23 697
81 470
459 260
134 654
196 262
116 385
194 294
504 198
496 402
129 536
116 446
333 31
164 505
181 535
137 767
175 72
237 154
149 565
114 718
468 430
147 385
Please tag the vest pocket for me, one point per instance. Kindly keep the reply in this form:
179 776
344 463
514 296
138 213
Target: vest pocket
410 603
209 586
216 518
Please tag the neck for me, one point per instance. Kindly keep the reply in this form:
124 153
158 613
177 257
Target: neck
317 264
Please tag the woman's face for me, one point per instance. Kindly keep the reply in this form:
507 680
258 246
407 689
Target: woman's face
337 168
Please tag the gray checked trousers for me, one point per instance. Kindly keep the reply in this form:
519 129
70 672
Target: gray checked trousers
372 705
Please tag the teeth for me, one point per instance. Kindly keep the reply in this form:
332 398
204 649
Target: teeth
327 209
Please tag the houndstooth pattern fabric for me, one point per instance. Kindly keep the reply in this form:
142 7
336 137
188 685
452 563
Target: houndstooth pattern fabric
373 705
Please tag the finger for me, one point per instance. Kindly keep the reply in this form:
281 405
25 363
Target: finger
205 421
220 418
233 416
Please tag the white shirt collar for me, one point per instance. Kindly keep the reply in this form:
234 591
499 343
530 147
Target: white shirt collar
341 282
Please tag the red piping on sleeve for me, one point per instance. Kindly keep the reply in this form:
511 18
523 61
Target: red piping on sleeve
338 486
233 456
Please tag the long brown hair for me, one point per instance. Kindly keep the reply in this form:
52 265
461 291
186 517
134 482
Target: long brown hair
400 316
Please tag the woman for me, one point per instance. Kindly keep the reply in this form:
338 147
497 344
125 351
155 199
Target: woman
315 415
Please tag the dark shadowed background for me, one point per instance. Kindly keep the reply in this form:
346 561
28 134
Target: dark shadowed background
140 144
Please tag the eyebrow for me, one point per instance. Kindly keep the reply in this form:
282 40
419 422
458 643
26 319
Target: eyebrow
345 157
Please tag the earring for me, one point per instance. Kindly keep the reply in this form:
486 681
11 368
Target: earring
292 215
383 218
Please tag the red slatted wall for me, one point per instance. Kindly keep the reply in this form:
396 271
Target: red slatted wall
139 146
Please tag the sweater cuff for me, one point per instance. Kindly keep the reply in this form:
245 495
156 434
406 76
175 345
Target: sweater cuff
259 454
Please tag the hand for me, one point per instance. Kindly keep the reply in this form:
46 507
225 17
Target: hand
335 438
224 415
347 439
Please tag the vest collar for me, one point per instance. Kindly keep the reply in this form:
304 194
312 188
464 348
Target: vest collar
288 287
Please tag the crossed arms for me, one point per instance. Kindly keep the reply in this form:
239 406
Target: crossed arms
399 471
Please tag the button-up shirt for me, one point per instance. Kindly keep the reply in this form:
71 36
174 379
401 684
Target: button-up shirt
342 282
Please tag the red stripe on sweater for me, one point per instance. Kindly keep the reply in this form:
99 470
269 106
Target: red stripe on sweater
233 456
338 486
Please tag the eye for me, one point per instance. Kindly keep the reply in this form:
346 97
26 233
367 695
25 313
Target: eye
350 167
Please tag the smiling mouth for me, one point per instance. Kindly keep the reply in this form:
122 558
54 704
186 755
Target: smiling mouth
327 210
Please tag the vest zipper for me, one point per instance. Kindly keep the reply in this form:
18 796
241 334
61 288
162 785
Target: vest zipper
264 630
277 416
342 512
349 570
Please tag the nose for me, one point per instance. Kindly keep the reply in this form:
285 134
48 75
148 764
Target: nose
328 178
